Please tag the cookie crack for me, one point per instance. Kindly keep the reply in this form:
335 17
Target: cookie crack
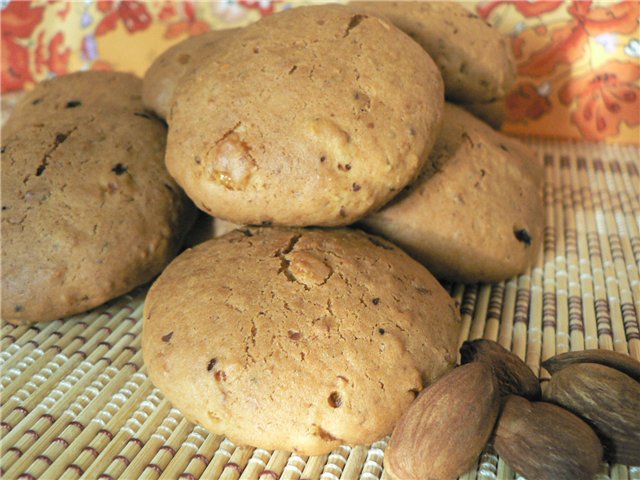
59 139
285 263
353 23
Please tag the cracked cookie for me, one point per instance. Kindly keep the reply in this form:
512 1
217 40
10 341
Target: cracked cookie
88 210
312 116
296 339
477 215
475 60
161 78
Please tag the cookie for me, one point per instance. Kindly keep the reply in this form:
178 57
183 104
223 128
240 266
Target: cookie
492 113
88 209
304 119
474 58
298 340
163 75
77 94
477 215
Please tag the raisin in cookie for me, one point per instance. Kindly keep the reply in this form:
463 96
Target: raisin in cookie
313 116
295 339
475 59
163 75
88 210
478 214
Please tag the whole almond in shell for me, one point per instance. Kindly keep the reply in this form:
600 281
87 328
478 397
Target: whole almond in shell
514 377
606 399
619 361
542 441
446 427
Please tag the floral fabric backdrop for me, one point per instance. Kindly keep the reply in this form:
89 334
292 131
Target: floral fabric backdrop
578 62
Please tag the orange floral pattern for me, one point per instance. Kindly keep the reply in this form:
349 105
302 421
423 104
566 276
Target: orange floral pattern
578 61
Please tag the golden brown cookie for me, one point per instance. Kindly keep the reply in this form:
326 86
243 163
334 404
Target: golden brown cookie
493 113
295 339
475 59
478 215
313 116
77 94
88 210
163 75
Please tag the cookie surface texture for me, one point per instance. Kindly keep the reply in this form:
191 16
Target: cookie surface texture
475 59
162 77
312 116
478 216
314 338
88 209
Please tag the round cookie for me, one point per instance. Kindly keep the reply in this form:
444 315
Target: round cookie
478 215
313 116
81 93
88 210
295 339
475 59
162 77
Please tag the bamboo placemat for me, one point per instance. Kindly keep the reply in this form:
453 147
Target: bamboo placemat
76 401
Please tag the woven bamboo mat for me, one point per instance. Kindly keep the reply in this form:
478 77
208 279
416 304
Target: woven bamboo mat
76 401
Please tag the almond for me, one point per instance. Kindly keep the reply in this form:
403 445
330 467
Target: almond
446 427
542 441
514 377
606 399
619 361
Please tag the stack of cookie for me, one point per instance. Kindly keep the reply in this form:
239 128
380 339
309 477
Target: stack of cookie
280 336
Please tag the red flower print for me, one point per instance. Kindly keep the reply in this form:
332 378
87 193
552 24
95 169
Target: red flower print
18 21
526 102
603 99
168 10
190 26
134 15
568 41
265 7
528 8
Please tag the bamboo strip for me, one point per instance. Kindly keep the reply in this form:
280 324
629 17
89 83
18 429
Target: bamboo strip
130 439
166 452
549 300
276 465
492 326
91 452
506 317
15 351
477 327
97 351
314 467
11 334
46 432
236 464
355 462
137 464
373 464
625 267
96 417
335 463
200 460
84 346
576 246
256 465
185 452
219 459
467 307
561 200
610 254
